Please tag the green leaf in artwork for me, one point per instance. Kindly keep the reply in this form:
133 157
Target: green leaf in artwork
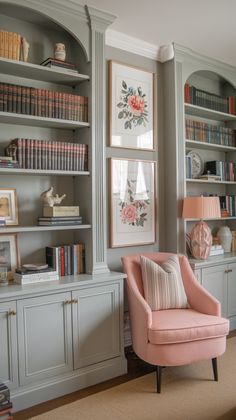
120 105
120 115
127 124
124 85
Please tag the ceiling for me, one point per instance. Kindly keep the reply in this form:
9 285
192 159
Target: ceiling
206 26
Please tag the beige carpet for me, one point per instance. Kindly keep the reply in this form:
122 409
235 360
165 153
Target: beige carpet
188 393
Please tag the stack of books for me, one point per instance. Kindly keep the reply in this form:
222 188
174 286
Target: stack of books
60 221
10 45
233 245
53 63
8 162
66 259
25 276
5 403
216 250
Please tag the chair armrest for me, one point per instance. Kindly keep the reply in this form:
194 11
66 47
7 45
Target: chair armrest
198 297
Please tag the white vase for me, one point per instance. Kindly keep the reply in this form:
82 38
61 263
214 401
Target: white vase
60 51
225 236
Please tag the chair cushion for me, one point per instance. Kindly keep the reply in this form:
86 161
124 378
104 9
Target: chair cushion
184 325
163 285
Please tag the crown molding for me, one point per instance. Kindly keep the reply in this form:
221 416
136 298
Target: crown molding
137 46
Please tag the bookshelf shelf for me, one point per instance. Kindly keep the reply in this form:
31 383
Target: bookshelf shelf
199 111
206 181
20 171
219 219
37 72
31 120
18 229
208 146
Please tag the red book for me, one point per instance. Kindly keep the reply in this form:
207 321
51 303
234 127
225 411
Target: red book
62 252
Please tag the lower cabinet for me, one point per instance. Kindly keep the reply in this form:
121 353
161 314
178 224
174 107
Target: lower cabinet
52 344
220 281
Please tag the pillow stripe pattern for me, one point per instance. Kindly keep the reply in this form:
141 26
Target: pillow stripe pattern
163 285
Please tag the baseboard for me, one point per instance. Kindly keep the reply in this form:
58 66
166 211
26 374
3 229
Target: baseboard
25 397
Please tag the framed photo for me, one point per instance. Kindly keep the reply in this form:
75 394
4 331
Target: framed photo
131 107
8 206
9 254
132 202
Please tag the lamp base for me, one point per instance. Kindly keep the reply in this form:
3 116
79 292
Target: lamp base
201 241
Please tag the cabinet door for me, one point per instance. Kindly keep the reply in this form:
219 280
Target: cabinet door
96 325
45 337
8 345
214 279
231 289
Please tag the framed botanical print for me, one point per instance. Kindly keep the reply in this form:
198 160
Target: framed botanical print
8 206
131 107
9 254
132 202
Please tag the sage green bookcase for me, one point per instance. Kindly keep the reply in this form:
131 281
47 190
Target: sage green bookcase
78 318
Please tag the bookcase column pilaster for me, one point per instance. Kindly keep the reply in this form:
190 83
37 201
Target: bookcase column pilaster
98 24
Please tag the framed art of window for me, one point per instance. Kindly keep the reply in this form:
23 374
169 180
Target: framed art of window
131 107
132 202
8 206
9 253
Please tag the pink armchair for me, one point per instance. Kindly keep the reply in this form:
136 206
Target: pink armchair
174 337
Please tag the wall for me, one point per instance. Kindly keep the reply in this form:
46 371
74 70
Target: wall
114 254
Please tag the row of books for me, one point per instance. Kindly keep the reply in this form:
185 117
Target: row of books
10 45
209 133
228 205
66 259
51 155
225 170
43 103
195 96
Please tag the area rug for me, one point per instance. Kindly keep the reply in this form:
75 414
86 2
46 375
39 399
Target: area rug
188 393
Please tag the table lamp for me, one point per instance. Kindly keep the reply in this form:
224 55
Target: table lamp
200 236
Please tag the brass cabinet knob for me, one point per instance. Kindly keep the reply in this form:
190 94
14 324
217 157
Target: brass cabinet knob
230 270
67 302
12 312
74 300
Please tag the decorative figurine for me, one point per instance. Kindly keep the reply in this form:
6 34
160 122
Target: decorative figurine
49 199
25 49
60 51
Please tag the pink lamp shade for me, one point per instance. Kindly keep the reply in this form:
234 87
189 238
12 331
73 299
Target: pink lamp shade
201 208
200 236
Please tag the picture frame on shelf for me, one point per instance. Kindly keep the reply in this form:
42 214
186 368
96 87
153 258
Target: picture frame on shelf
9 253
131 115
132 202
9 206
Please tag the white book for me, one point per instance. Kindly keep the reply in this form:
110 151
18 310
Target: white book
30 280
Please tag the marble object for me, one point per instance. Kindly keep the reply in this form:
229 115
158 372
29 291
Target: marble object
225 237
60 51
25 49
49 199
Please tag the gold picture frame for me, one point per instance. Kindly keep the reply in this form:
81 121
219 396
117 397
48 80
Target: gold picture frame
9 206
132 202
132 122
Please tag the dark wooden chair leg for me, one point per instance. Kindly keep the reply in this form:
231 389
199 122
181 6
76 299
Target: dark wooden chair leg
215 370
158 373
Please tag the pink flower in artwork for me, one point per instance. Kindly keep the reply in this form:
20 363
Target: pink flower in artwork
128 214
136 104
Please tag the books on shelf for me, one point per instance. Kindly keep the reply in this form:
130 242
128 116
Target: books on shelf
59 64
51 155
10 45
228 205
209 133
225 170
60 221
43 103
66 259
60 211
208 177
24 276
199 97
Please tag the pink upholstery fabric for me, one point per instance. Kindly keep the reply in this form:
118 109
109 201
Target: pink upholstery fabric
183 325
147 331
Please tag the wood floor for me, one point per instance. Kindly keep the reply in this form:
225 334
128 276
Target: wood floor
136 368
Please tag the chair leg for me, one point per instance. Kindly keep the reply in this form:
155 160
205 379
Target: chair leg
158 375
215 370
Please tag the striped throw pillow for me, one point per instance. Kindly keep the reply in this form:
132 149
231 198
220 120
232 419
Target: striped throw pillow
163 285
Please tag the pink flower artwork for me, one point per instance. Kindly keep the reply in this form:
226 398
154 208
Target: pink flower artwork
133 106
133 212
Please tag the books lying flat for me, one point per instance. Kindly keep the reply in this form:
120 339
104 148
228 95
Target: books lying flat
61 211
29 277
60 222
210 177
59 63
